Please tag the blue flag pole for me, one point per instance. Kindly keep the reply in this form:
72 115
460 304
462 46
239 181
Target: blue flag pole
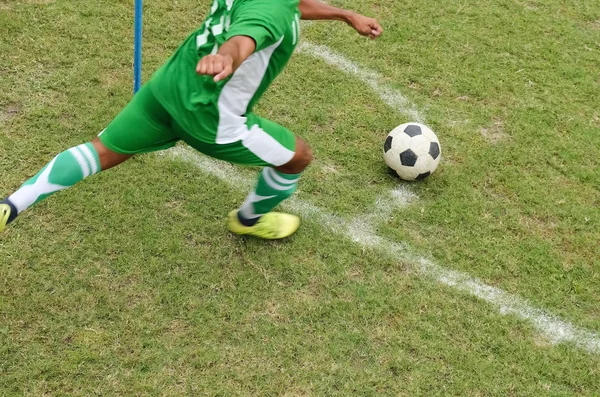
137 47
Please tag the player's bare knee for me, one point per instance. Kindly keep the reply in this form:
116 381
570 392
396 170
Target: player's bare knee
108 158
304 154
300 161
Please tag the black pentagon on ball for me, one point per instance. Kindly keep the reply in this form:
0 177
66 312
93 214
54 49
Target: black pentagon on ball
423 176
388 144
408 158
412 130
434 150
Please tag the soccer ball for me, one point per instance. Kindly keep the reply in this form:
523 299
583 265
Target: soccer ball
412 150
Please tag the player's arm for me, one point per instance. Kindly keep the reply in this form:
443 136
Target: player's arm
314 10
229 57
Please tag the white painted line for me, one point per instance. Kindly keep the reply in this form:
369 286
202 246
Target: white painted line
392 97
361 231
552 327
401 196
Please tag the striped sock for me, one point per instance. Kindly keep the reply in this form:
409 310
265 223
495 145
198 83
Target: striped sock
272 188
65 170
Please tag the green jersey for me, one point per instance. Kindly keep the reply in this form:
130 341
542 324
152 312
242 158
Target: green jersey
204 107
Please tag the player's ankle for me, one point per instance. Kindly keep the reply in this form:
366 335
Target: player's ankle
245 221
13 210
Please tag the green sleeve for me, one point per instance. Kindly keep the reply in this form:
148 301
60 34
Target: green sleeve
260 20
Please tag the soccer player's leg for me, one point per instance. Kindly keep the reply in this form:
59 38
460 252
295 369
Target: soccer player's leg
143 126
65 169
275 184
284 157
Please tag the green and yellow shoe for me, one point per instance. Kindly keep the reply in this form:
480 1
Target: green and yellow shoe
5 211
271 226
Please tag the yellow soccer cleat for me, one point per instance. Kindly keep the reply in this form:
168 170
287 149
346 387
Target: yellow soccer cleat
4 215
271 226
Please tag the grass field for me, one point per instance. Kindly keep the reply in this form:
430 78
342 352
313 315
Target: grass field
129 284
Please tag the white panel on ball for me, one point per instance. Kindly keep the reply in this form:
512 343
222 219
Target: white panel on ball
392 159
420 145
407 173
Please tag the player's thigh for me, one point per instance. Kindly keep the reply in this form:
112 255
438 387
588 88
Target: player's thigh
263 143
142 126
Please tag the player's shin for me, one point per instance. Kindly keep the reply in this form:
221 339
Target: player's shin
272 188
65 170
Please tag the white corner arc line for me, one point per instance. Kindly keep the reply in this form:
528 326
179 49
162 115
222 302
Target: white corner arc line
391 97
550 326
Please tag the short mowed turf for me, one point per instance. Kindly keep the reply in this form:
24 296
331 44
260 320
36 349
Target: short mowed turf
129 283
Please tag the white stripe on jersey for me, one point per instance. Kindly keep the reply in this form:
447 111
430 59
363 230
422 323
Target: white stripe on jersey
237 94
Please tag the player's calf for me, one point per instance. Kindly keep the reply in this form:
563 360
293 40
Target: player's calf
65 170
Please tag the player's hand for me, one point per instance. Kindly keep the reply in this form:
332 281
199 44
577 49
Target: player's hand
365 26
216 65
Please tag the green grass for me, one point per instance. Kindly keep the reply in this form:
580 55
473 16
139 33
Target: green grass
129 284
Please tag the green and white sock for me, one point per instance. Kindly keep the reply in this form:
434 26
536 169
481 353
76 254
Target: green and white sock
65 170
272 188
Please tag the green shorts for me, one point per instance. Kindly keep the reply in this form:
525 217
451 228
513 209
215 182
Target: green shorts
144 125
